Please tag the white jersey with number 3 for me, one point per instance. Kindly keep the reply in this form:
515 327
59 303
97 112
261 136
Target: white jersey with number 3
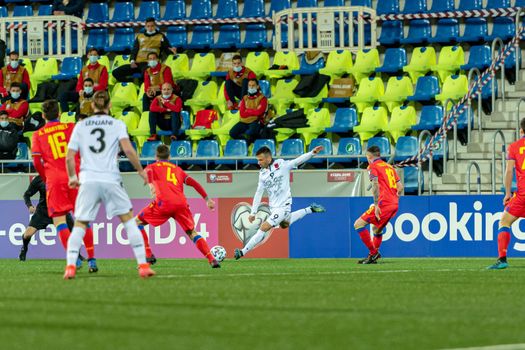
97 139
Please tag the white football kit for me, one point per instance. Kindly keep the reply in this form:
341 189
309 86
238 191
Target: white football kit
97 140
275 180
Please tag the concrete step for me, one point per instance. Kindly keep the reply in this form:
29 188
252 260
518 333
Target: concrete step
462 178
461 167
503 116
509 105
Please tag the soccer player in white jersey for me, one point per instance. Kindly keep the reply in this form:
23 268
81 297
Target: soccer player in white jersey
97 139
274 178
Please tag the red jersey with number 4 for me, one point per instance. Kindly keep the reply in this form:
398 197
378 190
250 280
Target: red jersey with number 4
387 179
50 142
168 181
517 153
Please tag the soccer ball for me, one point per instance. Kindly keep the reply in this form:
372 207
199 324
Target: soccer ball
219 253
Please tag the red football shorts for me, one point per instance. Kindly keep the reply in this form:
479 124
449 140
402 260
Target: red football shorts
60 198
156 214
387 213
516 206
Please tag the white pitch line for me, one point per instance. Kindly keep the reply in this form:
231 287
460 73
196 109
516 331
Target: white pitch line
520 346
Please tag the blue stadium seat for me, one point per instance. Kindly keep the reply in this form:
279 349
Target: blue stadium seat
327 150
69 69
126 166
366 3
98 38
180 149
202 37
148 9
229 37
256 37
207 149
503 28
447 31
200 9
98 12
328 3
467 5
442 6
307 68
148 150
350 146
391 32
494 4
264 85
123 12
185 125
257 145
344 121
431 118
279 5
415 6
306 3
253 8
427 87
510 62
410 175
22 10
22 153
437 153
486 92
177 36
123 39
418 32
475 30
406 147
292 148
3 11
383 143
479 57
175 9
462 119
384 7
393 61
234 148
45 10
227 9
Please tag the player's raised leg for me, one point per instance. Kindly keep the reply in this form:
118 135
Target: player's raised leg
301 213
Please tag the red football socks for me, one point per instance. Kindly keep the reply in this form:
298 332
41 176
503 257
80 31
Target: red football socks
88 242
377 243
203 247
146 241
365 237
503 241
63 234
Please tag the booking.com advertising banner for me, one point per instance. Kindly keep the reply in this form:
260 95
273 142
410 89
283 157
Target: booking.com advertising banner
425 226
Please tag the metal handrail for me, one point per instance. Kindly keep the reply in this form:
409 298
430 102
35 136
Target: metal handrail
469 103
518 126
517 49
420 139
493 164
493 82
445 114
478 170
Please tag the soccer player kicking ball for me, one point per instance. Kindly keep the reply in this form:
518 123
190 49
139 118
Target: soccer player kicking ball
49 147
166 181
386 189
97 139
274 177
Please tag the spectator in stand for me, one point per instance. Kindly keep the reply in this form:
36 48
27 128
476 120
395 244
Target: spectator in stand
14 72
152 40
165 113
8 137
154 77
252 109
16 107
68 7
94 71
85 108
236 85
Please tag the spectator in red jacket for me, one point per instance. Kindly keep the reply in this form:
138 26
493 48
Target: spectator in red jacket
252 109
16 107
154 77
236 85
165 113
14 72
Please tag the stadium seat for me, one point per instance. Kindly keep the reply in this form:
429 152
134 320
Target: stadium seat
391 32
258 144
175 9
279 5
494 4
45 9
3 12
384 7
468 5
69 69
431 118
327 150
98 38
28 65
45 68
68 117
202 65
180 149
229 119
344 121
350 146
394 61
373 121
503 28
410 175
177 36
292 148
148 9
406 147
202 38
306 3
442 6
308 103
264 85
148 151
397 90
451 58
234 148
123 39
283 96
131 119
479 57
401 121
318 121
419 31
253 8
22 153
370 90
179 64
427 87
229 37
423 58
200 9
98 12
337 63
415 6
205 94
454 87
463 117
475 30
283 59
203 116
141 133
227 9
330 3
256 37
124 95
447 31
365 64
22 11
258 62
123 12
383 144
365 3
307 68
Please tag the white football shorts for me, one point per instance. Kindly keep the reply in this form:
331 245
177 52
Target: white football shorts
279 215
92 194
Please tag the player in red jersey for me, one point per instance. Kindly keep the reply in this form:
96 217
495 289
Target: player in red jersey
166 181
386 189
49 148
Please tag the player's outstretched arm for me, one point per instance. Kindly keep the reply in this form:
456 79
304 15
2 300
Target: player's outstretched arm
294 163
128 149
70 167
509 174
200 190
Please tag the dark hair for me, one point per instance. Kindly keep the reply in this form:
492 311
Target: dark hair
16 84
236 57
374 150
150 19
163 152
13 53
89 80
264 150
100 100
50 109
4 112
522 124
91 49
254 79
153 53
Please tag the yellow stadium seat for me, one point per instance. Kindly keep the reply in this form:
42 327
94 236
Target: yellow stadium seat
397 91
365 64
28 65
401 121
318 121
422 61
281 59
124 95
229 119
179 64
373 121
44 69
199 134
220 102
205 94
454 87
117 62
337 64
451 58
131 120
309 103
139 98
369 91
141 132
68 117
201 66
258 62
283 96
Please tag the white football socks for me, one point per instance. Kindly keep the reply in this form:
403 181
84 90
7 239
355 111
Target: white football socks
299 214
74 243
256 239
136 241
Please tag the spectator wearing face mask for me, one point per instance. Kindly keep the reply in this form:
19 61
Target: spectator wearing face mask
94 71
165 113
154 77
15 106
85 108
236 85
252 110
8 137
14 72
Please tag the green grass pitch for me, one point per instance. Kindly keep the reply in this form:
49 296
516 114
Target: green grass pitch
263 304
